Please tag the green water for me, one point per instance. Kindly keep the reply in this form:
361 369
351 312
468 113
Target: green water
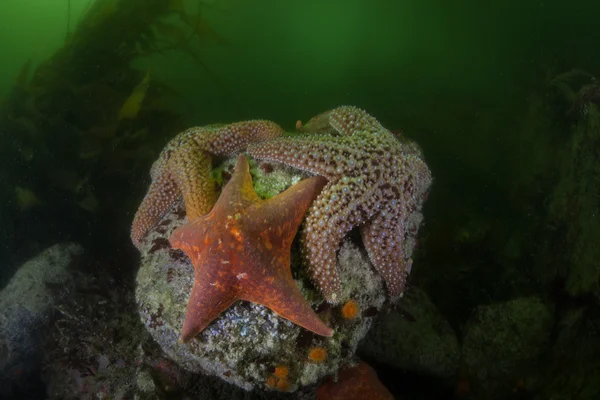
388 55
431 69
513 207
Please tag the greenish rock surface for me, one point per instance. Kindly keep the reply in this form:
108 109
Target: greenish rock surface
247 341
27 308
415 337
572 367
504 343
571 248
97 348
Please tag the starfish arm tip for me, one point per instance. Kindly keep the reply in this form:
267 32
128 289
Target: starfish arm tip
328 332
185 336
189 331
315 324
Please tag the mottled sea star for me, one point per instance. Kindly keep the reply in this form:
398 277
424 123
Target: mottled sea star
184 166
375 180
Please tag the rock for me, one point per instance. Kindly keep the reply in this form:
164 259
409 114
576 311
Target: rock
572 368
26 309
502 344
248 341
97 348
415 337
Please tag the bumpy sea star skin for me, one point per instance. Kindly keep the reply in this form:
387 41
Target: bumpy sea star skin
241 251
184 166
376 181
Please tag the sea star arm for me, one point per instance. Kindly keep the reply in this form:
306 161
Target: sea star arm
186 173
317 124
213 293
383 237
238 193
191 169
230 139
330 218
286 212
325 155
162 195
183 168
279 293
347 120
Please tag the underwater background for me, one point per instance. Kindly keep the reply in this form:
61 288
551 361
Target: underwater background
500 97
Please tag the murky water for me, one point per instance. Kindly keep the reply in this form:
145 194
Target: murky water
501 98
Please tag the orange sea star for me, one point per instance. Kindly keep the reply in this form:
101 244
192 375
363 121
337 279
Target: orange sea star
184 166
376 181
241 251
